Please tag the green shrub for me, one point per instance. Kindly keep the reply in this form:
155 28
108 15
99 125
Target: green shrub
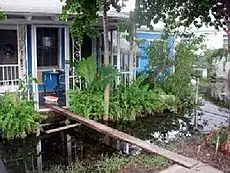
87 104
17 116
126 101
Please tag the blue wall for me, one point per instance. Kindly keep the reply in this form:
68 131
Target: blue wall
145 44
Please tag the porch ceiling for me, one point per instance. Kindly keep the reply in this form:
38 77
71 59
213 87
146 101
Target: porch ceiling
31 6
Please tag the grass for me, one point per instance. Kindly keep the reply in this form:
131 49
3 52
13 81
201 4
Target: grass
114 163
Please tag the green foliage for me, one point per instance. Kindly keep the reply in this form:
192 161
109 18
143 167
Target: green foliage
183 12
222 134
126 101
183 61
25 85
215 55
87 104
89 101
83 15
113 164
138 99
17 116
3 16
95 79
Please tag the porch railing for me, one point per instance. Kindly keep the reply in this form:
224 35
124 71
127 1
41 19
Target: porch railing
9 75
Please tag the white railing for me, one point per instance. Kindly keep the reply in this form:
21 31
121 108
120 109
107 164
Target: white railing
9 77
125 76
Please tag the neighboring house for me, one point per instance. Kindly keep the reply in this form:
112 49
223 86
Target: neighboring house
34 42
147 36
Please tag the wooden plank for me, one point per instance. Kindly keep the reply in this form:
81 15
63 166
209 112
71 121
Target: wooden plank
62 128
182 160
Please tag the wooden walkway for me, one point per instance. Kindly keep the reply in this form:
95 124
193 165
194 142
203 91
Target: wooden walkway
182 160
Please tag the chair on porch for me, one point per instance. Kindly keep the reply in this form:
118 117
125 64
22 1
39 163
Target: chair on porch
60 83
61 87
41 77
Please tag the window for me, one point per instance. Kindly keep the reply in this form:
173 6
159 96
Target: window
47 47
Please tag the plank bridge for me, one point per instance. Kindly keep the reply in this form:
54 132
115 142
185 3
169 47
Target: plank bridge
181 160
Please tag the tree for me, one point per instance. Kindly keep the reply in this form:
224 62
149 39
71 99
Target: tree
184 13
85 15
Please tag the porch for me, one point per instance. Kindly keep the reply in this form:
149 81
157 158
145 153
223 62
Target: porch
35 44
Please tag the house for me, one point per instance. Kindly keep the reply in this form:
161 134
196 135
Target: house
34 42
147 36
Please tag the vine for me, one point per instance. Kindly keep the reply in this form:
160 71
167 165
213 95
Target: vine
3 16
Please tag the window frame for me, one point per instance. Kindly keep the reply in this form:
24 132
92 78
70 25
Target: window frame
58 48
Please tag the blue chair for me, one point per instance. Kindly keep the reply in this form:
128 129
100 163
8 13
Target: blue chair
60 88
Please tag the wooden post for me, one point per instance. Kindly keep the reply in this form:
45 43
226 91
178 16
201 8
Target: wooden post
118 145
69 145
39 151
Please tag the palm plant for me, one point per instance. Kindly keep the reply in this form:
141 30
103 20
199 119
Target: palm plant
95 79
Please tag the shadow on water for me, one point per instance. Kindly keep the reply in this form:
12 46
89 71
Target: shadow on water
20 155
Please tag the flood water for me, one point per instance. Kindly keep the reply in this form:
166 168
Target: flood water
20 155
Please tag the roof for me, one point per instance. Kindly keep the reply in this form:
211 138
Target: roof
31 6
125 46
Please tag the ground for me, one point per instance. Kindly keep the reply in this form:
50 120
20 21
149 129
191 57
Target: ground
189 148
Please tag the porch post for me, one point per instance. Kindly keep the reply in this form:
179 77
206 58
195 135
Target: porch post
112 48
94 47
100 51
34 66
67 48
118 55
21 36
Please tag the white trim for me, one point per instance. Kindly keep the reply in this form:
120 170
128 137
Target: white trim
9 27
24 21
118 55
67 64
49 26
156 31
60 56
26 61
60 48
44 110
34 65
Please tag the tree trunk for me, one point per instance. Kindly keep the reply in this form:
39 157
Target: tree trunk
227 145
106 62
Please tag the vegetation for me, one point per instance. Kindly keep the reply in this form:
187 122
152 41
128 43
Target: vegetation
184 13
17 116
126 102
114 163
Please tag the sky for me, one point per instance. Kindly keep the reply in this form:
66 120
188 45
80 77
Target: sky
130 5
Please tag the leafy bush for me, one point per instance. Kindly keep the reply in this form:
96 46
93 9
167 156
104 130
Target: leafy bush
136 99
17 116
88 104
126 101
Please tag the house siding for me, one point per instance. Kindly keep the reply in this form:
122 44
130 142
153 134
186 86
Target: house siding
147 37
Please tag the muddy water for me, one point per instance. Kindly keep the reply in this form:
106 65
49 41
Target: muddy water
20 155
